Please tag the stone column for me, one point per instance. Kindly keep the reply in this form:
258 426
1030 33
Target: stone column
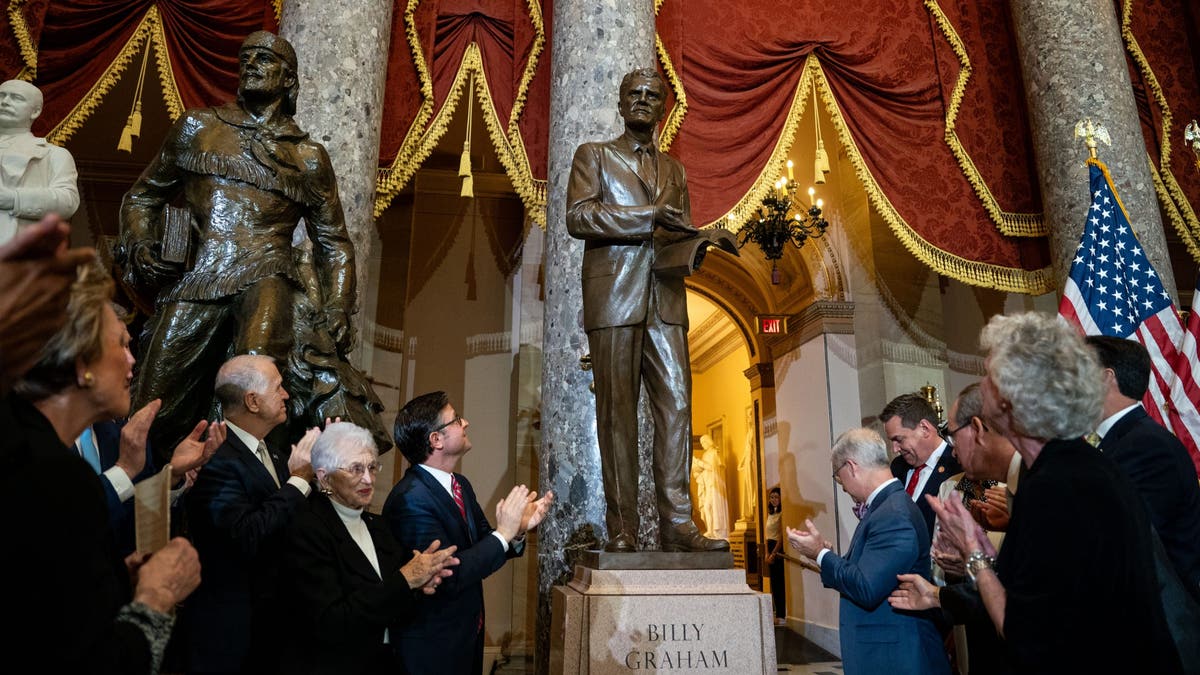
595 43
1073 64
342 52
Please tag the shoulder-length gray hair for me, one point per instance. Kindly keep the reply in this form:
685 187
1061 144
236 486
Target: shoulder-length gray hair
1044 369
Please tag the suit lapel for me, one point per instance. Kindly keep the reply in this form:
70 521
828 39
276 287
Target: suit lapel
16 159
1122 427
860 531
249 459
623 151
445 503
349 549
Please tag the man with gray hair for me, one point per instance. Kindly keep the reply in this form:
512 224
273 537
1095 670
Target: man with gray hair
36 178
238 511
891 539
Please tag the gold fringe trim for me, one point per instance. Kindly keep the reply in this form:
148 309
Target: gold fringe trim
423 134
278 4
1010 224
393 178
679 110
1009 279
90 101
166 73
512 156
539 43
775 166
1179 210
1173 214
24 40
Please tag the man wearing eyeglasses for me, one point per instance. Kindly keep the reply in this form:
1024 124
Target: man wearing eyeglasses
890 540
433 502
985 456
238 511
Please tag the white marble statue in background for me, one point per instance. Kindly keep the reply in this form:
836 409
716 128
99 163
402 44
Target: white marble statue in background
36 177
710 489
748 479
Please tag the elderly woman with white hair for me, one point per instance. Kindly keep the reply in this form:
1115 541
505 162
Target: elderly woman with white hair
343 569
1073 588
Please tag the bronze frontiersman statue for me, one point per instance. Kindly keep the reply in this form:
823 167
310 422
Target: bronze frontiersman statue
225 271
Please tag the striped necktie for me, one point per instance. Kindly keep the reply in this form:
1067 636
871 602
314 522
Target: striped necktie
456 489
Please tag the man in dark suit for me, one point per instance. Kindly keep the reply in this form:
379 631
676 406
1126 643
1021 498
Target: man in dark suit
119 451
923 459
444 634
238 511
891 539
1149 455
624 199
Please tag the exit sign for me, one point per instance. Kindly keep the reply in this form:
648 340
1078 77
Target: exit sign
772 325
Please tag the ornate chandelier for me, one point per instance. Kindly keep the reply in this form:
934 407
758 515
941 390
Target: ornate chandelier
783 218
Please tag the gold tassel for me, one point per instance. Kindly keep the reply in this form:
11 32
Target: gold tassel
133 125
464 162
818 175
822 157
126 142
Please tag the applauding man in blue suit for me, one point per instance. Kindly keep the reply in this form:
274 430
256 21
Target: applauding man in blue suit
890 539
432 502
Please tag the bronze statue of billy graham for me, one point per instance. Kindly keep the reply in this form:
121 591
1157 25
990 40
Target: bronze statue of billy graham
629 203
226 273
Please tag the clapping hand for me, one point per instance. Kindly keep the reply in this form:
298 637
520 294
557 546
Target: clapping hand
807 542
427 568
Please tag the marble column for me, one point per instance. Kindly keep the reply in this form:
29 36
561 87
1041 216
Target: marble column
342 53
1073 64
595 42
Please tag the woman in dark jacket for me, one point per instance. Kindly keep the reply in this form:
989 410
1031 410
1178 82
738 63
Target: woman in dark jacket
344 571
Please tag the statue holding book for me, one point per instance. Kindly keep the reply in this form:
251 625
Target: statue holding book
628 202
223 268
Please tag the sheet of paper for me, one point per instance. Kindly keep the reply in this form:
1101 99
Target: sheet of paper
152 511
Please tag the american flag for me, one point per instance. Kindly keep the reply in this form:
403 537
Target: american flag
1114 290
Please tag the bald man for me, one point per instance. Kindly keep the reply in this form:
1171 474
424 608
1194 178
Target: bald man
36 178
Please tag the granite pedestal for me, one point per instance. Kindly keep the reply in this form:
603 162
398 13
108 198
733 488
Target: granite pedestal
660 616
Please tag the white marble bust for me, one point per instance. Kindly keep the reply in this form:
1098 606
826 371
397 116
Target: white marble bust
36 177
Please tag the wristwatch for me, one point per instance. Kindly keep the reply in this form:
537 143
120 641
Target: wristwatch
977 562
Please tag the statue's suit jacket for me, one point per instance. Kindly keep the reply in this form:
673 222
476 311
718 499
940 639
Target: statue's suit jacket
876 638
611 208
43 178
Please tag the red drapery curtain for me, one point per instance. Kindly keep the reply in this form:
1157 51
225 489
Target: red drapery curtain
436 49
1162 46
887 71
86 45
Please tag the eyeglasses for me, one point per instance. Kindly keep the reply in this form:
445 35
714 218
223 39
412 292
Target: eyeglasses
458 419
357 469
839 470
948 433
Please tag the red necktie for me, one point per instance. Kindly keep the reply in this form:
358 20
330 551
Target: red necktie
912 482
456 488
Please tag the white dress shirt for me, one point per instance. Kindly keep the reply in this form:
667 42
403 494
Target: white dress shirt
444 479
251 442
